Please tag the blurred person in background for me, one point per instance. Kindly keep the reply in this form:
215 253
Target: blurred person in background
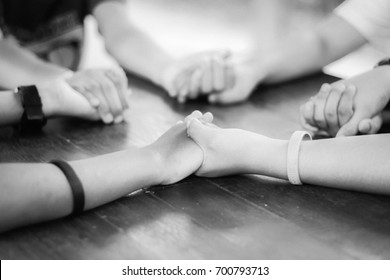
346 107
43 40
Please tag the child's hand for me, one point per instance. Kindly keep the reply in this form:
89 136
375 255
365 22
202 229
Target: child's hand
106 90
59 99
329 110
244 80
348 107
203 73
177 154
223 149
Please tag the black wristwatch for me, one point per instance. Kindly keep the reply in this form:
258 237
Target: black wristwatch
383 62
33 118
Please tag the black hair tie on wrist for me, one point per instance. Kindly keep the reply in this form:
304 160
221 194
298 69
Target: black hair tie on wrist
75 185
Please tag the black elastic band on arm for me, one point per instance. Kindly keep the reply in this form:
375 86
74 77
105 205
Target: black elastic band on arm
75 185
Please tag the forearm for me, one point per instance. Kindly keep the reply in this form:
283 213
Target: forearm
132 48
11 109
353 163
32 193
309 52
20 67
138 54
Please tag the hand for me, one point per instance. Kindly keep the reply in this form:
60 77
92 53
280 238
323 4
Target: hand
348 107
329 110
177 154
106 90
223 149
244 81
203 73
59 99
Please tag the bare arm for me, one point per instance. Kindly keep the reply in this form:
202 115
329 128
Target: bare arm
133 49
309 52
360 163
352 163
293 57
21 67
32 193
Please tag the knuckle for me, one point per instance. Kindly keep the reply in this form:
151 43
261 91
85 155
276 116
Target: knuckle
93 87
344 111
330 114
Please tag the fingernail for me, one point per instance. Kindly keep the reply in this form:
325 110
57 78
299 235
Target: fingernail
108 118
118 119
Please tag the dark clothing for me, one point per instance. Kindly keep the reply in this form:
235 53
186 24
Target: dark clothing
48 26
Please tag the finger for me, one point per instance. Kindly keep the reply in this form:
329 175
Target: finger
195 83
345 109
208 117
195 114
93 88
371 126
303 121
207 82
92 99
230 75
119 79
176 85
183 93
331 108
218 73
112 97
197 131
365 126
376 124
319 106
126 113
308 113
351 128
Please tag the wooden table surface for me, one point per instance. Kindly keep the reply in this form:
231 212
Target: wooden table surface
239 217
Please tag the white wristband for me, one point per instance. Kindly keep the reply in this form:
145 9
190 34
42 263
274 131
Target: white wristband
293 149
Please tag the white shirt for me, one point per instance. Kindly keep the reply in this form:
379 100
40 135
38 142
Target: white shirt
371 18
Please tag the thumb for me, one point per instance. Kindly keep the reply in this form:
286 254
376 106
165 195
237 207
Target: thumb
351 128
371 126
196 130
227 97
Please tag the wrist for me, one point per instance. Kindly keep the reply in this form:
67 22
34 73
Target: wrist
49 106
155 164
384 71
271 157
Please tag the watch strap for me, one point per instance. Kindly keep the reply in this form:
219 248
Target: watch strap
33 118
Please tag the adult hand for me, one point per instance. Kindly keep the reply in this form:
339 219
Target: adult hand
106 90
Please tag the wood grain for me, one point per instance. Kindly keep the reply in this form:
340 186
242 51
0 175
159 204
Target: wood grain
239 217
